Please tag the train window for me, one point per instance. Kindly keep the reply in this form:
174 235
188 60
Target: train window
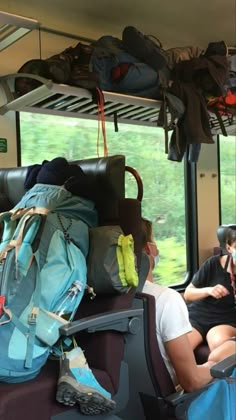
45 136
228 179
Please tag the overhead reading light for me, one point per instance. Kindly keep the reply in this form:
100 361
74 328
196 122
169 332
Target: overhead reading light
14 27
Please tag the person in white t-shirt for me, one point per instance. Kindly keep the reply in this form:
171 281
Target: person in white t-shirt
173 326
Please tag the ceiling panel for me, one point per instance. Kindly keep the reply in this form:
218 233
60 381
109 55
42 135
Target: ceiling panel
175 23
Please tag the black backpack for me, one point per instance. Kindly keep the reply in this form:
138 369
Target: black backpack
70 67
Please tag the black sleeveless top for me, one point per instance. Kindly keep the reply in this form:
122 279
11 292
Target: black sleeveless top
221 310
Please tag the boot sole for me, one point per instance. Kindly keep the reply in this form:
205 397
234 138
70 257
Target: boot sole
70 392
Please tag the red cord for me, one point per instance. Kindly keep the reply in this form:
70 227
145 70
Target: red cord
101 122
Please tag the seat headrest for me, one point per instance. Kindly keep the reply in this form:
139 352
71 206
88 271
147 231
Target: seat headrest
222 232
106 176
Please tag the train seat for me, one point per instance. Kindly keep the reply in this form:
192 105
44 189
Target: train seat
103 326
154 404
163 402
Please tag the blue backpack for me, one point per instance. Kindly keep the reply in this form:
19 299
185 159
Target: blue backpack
140 80
42 257
216 401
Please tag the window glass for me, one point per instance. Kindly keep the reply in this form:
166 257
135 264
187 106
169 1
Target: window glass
228 179
45 137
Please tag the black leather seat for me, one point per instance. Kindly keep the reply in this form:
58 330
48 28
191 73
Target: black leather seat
105 347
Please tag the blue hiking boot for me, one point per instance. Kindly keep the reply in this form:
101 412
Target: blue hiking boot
77 384
144 48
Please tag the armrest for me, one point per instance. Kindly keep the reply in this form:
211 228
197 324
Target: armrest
181 399
127 320
219 370
224 368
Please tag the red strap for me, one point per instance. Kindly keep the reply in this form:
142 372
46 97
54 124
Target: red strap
2 302
101 121
119 72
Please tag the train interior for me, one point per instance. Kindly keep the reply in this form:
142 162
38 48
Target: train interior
120 327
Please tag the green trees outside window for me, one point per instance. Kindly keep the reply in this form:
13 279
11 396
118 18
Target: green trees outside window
228 179
45 137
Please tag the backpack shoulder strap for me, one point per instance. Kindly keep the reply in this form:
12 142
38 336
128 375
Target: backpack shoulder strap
174 106
9 226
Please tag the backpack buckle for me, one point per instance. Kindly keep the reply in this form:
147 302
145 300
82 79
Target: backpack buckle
32 317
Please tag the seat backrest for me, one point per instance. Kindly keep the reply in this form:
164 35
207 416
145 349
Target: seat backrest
107 176
160 375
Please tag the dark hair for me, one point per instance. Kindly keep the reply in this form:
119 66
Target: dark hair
146 231
230 236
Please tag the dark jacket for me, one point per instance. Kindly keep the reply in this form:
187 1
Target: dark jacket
193 80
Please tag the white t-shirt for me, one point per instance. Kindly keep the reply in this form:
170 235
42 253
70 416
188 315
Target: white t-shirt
172 319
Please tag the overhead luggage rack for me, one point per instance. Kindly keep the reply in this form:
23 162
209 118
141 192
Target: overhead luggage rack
71 101
14 27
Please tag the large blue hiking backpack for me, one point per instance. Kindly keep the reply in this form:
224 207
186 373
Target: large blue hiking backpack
216 401
42 255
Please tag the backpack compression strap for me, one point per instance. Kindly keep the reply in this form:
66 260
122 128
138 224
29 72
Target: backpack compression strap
22 236
22 240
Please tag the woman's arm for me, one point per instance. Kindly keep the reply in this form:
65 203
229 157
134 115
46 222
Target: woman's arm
193 293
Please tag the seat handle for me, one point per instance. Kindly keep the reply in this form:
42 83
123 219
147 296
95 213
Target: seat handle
138 180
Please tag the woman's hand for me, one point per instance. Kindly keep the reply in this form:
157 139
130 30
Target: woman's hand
218 291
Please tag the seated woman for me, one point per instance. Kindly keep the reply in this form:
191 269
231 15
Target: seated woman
211 298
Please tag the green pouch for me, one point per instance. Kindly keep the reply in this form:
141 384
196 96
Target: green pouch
111 261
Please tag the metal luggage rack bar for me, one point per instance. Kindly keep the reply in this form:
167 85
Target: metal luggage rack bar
229 122
14 27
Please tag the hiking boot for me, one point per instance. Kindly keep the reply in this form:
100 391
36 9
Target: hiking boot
142 47
216 48
62 65
77 384
38 67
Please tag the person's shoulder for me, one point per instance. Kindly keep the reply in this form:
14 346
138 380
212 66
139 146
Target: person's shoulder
173 296
212 260
158 290
153 289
